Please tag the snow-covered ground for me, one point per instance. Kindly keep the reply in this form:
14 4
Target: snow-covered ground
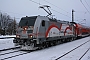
7 36
6 43
54 52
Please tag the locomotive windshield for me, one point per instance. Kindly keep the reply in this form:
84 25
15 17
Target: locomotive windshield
27 21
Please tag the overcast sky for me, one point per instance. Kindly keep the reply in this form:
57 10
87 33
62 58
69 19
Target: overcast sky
60 8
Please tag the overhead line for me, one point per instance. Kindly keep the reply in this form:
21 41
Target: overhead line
60 13
87 3
55 6
51 9
35 2
84 6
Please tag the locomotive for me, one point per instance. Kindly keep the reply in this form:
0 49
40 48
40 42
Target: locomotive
37 32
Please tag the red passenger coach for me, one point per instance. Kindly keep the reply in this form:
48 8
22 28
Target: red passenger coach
81 30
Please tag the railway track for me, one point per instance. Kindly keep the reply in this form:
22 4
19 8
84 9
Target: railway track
73 50
11 54
9 49
84 53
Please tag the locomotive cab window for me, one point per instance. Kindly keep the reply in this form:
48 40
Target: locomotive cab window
43 23
27 21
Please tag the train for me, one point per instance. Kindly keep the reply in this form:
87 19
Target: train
37 32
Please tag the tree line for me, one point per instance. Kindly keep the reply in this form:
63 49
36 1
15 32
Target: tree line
8 25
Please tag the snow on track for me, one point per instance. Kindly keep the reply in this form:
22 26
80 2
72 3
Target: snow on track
12 54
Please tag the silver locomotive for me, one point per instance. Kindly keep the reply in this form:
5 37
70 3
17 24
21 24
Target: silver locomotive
39 31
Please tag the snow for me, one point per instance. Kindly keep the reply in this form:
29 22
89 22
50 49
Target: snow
6 43
3 36
76 54
54 52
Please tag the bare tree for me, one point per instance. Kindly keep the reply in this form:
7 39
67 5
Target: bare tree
7 24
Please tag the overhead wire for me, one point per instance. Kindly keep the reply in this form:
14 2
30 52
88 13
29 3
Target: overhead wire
61 13
87 3
56 6
84 6
51 9
35 2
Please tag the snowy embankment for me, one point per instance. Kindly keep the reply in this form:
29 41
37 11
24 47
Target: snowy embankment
6 43
7 36
54 52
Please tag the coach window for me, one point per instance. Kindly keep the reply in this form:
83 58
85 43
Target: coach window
43 23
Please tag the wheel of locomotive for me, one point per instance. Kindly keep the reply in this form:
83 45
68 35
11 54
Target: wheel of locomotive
63 40
44 45
27 43
16 44
67 40
60 42
51 43
32 44
47 44
70 39
74 38
57 42
54 43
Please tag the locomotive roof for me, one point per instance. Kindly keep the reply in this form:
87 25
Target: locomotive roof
64 22
29 17
55 20
50 19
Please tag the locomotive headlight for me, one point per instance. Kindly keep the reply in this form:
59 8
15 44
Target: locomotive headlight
25 28
30 36
17 36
